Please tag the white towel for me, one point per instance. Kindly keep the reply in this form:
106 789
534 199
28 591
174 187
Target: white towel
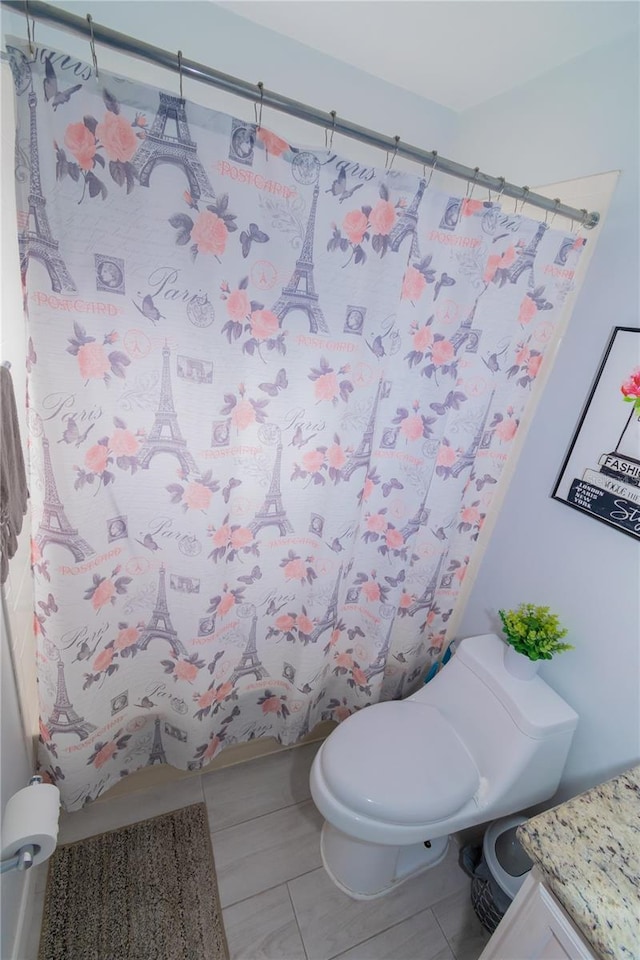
13 480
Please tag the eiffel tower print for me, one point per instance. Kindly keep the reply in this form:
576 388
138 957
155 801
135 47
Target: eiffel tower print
300 292
328 622
157 750
524 260
159 626
420 519
407 224
272 512
165 435
466 459
37 240
427 598
54 526
379 664
362 454
466 336
249 661
63 718
159 146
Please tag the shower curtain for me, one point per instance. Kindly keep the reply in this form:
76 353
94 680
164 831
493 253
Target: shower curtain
271 392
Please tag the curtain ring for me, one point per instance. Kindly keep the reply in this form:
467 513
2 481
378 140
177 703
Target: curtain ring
180 71
556 204
434 153
471 185
92 43
257 115
31 29
388 165
581 225
502 185
525 194
329 137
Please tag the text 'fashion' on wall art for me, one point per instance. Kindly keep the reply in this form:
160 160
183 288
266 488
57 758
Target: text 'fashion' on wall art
601 473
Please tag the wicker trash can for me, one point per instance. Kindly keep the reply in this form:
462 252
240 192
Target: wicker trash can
499 873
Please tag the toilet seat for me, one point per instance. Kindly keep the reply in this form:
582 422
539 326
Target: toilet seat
399 762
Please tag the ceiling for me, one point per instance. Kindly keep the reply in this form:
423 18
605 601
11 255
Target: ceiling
458 53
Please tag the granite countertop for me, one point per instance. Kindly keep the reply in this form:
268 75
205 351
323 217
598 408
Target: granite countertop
588 850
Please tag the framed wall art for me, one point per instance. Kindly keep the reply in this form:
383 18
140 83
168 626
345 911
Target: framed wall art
601 473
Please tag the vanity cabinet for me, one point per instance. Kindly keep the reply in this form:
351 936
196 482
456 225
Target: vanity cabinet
535 927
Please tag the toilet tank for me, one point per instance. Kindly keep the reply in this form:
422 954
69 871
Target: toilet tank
518 732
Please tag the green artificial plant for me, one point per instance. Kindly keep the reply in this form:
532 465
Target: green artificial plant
534 631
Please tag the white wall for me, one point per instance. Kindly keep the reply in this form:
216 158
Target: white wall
577 120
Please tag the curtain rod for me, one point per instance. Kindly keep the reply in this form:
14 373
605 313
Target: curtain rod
259 94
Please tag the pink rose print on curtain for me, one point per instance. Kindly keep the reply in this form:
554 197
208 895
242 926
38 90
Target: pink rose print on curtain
250 317
346 665
221 605
295 568
197 494
435 349
94 363
215 698
120 447
526 365
104 752
498 264
209 233
230 540
371 588
326 383
38 564
183 668
104 590
242 410
471 520
416 278
322 462
364 224
505 427
272 703
273 144
207 751
533 302
413 426
379 530
114 136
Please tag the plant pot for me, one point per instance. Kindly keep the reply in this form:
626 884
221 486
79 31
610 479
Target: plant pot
519 665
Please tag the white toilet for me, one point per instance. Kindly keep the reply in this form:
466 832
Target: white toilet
395 779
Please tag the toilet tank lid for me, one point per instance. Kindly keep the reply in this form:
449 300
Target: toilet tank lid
535 708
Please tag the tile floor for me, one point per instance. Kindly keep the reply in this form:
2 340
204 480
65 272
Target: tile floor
278 903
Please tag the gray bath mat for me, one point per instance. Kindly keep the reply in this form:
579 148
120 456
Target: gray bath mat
145 892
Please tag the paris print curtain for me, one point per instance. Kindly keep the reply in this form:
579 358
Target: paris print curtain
271 392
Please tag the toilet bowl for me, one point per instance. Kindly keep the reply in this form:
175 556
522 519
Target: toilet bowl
394 780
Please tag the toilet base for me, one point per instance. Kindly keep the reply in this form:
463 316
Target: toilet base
366 871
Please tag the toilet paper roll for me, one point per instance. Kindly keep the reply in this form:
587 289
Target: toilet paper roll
31 816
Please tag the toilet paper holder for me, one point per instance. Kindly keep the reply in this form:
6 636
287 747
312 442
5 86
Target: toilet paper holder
24 858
